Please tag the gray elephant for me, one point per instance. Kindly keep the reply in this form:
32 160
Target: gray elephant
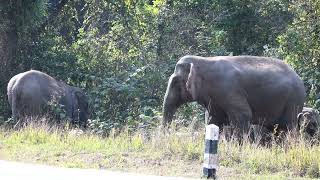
237 90
309 120
30 93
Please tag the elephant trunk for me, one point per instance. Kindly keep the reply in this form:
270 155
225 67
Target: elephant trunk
170 105
168 112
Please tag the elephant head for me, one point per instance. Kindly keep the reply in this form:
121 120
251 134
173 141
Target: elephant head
309 120
181 89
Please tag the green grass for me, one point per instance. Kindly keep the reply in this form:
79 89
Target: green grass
177 154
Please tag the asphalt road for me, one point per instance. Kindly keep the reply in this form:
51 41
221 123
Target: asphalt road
24 171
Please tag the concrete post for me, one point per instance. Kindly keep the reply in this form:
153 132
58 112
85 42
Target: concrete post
210 162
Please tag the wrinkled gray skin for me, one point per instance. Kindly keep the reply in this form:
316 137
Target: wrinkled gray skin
309 120
237 90
30 92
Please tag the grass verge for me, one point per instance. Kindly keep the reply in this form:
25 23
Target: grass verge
177 154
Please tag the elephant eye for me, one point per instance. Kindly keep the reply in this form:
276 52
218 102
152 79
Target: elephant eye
174 84
174 81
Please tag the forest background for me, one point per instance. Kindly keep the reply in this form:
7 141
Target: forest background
121 52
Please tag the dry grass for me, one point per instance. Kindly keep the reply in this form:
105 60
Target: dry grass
178 153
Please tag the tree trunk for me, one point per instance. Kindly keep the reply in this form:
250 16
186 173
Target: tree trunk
8 49
8 43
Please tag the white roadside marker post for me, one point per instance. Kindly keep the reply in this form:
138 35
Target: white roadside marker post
210 161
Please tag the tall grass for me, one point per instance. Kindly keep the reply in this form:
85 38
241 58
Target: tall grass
152 151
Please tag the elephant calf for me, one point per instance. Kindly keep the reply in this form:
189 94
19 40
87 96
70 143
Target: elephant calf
29 94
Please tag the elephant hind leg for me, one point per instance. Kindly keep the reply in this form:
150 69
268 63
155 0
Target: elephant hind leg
16 115
16 109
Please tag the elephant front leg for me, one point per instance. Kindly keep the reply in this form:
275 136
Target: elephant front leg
216 116
239 114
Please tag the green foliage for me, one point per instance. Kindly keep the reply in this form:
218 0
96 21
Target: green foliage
300 46
117 62
57 110
250 25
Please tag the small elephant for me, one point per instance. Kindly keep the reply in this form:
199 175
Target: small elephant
309 120
30 92
237 90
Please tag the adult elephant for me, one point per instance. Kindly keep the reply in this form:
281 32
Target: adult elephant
237 90
30 93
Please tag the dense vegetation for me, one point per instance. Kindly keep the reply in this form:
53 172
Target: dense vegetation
122 52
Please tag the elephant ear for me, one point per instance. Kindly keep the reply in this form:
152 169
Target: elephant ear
82 101
81 107
193 81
